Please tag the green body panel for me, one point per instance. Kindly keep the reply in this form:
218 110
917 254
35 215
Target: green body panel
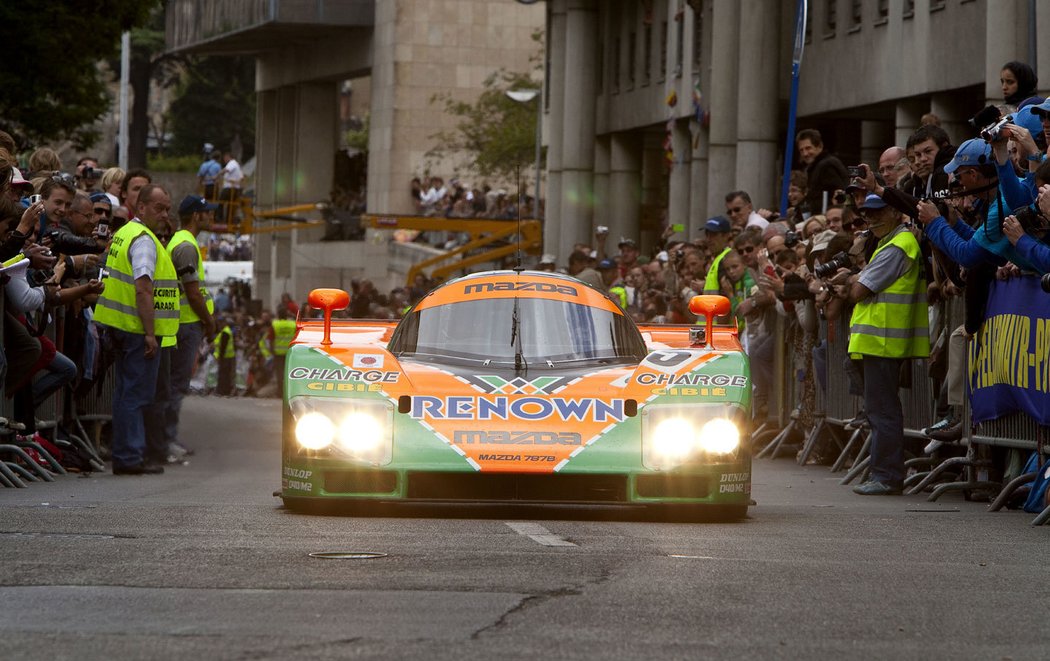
417 448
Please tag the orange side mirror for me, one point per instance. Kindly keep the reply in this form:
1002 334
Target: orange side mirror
328 300
710 306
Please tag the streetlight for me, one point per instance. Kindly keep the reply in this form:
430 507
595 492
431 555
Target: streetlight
524 96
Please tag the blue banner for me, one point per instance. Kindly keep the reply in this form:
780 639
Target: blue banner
1009 359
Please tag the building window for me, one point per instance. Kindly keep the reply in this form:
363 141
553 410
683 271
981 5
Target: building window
884 10
936 5
616 72
647 53
632 58
663 50
698 38
856 14
831 16
679 59
909 8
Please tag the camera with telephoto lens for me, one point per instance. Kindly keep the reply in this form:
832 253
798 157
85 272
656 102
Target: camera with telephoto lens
791 239
832 266
991 132
1032 220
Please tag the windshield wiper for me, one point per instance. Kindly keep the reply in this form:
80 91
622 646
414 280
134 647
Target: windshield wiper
520 366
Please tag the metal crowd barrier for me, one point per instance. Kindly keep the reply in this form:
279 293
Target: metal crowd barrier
781 422
836 407
55 417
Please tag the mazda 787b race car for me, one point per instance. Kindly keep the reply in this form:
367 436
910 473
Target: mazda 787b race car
516 386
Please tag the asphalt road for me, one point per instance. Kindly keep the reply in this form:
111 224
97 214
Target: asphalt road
203 562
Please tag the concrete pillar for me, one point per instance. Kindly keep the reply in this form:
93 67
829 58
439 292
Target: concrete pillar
725 65
756 129
266 123
947 107
625 186
907 115
1005 39
316 139
602 180
555 126
679 195
875 137
654 171
581 61
1042 59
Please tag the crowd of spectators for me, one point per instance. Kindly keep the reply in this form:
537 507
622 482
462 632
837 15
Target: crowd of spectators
431 196
56 229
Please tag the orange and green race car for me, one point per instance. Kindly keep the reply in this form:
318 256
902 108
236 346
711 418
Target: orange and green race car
516 386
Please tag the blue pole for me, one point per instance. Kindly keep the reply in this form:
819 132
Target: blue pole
789 147
796 66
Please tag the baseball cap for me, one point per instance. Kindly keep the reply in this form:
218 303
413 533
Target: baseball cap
195 203
17 179
627 242
100 197
971 153
607 264
1029 119
1040 108
718 225
548 259
873 201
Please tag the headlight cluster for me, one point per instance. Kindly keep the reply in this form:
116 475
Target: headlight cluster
677 434
362 429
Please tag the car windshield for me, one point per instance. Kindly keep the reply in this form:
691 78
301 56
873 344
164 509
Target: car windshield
551 330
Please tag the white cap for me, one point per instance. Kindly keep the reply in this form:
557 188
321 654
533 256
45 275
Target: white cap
548 259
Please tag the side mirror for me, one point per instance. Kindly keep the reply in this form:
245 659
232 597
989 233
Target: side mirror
328 300
710 306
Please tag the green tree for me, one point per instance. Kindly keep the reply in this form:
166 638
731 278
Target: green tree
498 132
214 102
51 87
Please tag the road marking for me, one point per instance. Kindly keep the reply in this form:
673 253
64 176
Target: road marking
691 557
537 533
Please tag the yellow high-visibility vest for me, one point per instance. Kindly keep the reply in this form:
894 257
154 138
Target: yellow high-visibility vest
187 315
283 334
116 304
894 322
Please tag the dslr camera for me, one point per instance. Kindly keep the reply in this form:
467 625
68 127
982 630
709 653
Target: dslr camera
831 267
791 239
91 173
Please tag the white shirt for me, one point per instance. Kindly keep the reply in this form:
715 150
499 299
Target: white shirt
232 175
142 253
755 220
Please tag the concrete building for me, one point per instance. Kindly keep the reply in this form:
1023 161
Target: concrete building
622 154
405 51
653 109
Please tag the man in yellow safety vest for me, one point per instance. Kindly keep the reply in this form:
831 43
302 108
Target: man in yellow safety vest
195 310
889 326
283 334
139 309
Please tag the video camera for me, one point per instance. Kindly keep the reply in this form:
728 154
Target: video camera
989 122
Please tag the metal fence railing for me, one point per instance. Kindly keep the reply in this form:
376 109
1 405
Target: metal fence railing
836 407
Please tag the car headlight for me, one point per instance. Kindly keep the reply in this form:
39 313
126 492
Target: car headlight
678 434
361 429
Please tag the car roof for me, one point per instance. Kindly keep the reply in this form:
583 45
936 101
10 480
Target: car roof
519 284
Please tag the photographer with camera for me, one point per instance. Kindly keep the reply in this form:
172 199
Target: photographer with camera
88 174
888 326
